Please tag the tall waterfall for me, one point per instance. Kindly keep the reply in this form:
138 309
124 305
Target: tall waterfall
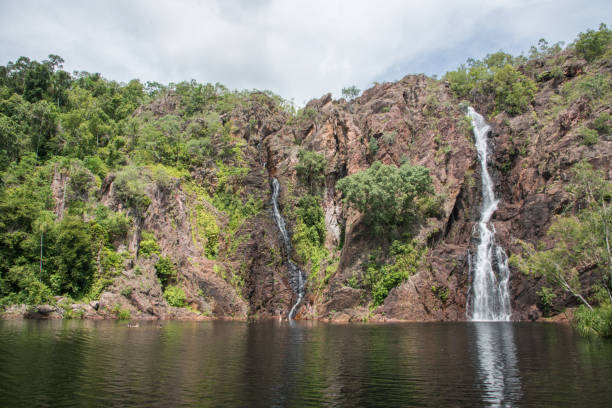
489 298
296 276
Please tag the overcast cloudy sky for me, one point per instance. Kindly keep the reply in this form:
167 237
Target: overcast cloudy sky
298 49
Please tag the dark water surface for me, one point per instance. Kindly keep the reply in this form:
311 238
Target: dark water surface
273 364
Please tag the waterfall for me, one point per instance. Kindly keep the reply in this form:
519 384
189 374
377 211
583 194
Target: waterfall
296 276
489 298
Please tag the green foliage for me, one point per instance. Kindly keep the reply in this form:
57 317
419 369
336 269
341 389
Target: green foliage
165 270
148 245
386 194
388 138
350 92
546 296
594 322
130 189
495 75
309 235
513 90
440 292
603 123
121 314
309 211
208 231
593 44
544 50
175 296
589 136
379 278
373 146
594 86
579 240
310 168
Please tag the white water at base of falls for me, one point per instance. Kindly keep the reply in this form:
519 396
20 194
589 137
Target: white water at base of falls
296 276
489 298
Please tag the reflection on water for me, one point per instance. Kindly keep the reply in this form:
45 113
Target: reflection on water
276 364
497 361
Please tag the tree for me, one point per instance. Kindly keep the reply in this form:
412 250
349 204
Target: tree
581 241
310 168
593 44
385 193
351 92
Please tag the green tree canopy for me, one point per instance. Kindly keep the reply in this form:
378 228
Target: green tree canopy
386 194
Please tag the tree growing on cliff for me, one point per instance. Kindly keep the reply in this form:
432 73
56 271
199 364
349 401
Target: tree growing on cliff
351 92
310 168
581 241
386 194
593 44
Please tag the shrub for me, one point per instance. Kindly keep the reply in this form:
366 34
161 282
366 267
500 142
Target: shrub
546 297
380 279
385 193
594 322
165 270
593 44
594 86
175 296
148 245
122 314
513 90
130 189
388 138
351 92
589 136
310 212
373 145
310 168
602 123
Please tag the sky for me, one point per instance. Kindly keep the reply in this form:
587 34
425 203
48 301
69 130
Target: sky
297 49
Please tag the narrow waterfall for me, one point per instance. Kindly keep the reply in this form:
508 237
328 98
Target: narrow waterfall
296 276
489 298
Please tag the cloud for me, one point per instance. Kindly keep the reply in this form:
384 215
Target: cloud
298 49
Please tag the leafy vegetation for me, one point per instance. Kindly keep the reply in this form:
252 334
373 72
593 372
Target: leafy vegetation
496 75
581 244
593 44
386 194
310 169
62 134
175 296
380 278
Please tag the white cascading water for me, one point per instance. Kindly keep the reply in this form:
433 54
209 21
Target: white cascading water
489 298
296 276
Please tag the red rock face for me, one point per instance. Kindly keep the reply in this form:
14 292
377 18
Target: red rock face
530 162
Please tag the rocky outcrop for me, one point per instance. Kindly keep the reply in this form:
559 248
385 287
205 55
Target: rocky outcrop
415 120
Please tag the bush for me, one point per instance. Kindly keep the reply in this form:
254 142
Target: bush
165 270
148 245
310 168
388 138
310 212
350 93
385 193
373 145
175 296
130 189
495 75
593 44
380 279
594 322
589 136
513 90
546 297
602 123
